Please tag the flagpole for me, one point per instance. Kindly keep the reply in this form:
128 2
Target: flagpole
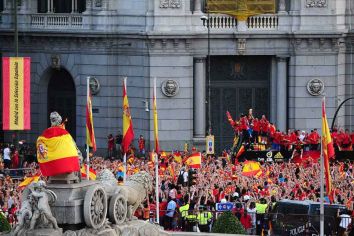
156 159
125 167
157 188
87 146
322 183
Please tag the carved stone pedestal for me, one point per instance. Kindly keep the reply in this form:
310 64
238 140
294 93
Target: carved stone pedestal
44 232
68 209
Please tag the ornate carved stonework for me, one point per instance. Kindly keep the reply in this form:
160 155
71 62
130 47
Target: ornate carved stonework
94 85
315 87
175 3
170 3
170 88
241 46
56 62
164 3
98 3
316 3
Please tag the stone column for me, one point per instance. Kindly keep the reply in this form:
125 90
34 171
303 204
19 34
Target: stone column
281 123
197 5
282 5
72 6
89 4
199 97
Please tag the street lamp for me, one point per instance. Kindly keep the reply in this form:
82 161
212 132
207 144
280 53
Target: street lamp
207 20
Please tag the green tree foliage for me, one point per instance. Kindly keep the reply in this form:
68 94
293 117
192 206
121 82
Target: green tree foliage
227 223
4 224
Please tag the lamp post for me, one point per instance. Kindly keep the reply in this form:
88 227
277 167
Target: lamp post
207 20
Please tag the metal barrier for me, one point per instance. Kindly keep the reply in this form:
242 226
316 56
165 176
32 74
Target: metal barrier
17 173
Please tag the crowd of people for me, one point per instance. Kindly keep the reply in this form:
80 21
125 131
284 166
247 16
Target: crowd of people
260 134
218 181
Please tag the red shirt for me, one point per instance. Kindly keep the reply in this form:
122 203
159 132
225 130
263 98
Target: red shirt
352 138
256 125
244 123
162 207
246 221
141 144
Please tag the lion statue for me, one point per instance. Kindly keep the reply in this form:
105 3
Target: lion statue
135 190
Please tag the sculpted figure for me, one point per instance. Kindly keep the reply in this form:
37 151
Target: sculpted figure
41 195
135 190
25 214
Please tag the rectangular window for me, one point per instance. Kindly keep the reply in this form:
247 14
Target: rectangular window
62 6
42 6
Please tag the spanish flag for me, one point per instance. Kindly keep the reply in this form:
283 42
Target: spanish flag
128 132
241 9
177 157
28 180
90 133
57 152
194 160
251 169
16 114
92 173
156 128
327 149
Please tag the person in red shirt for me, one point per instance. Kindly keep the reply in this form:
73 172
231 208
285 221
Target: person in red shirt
314 139
334 136
344 141
263 129
141 143
256 130
352 138
244 126
246 221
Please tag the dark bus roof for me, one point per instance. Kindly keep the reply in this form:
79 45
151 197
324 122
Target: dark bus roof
306 203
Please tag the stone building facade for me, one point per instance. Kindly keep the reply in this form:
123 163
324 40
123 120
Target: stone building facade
269 63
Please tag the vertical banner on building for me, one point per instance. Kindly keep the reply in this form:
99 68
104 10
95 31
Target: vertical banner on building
16 93
210 144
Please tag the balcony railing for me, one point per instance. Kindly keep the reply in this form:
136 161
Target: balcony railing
56 21
260 22
263 22
221 21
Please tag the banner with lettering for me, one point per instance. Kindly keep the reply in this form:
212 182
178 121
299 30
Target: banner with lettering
16 93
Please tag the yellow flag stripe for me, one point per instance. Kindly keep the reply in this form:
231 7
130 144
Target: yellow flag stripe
57 148
16 93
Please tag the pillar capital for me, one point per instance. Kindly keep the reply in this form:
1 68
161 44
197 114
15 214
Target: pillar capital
282 58
200 59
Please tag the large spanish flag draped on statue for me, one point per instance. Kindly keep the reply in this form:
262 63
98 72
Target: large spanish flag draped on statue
90 133
57 152
156 127
194 160
327 149
16 93
128 132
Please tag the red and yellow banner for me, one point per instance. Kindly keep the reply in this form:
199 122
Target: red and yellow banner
16 93
194 160
128 132
328 150
57 152
29 180
90 133
92 173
